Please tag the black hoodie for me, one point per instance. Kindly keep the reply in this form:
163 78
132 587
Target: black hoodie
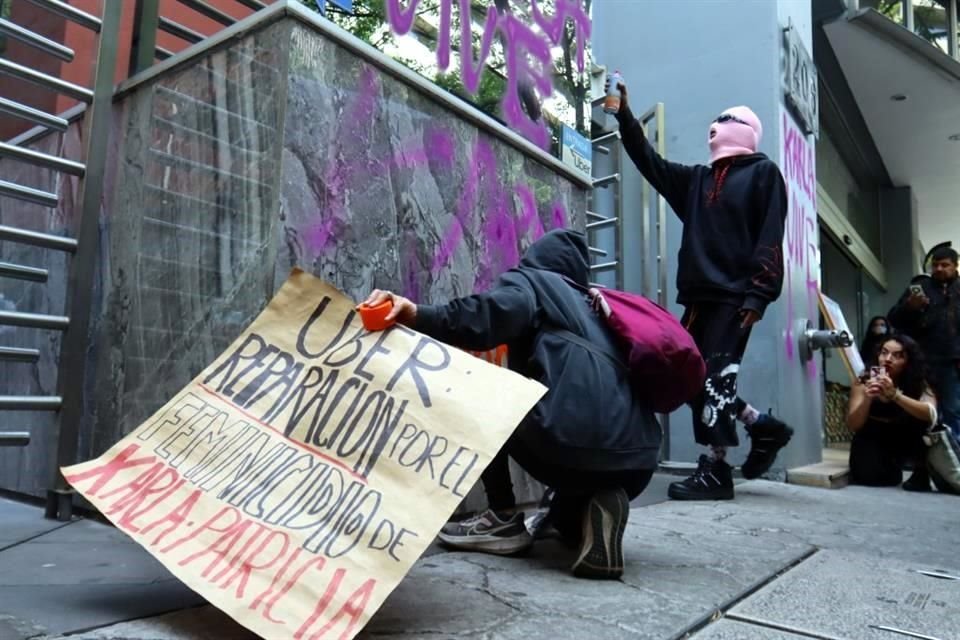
589 418
733 222
937 326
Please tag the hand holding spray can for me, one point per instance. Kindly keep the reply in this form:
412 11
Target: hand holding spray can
612 102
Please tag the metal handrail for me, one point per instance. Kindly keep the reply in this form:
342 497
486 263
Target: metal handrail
36 40
603 223
41 159
14 438
213 13
36 116
603 266
44 80
178 30
37 239
16 354
22 272
604 181
34 320
256 5
28 194
73 14
30 403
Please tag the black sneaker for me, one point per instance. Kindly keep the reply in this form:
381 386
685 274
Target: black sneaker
488 533
713 480
918 481
539 524
767 436
601 549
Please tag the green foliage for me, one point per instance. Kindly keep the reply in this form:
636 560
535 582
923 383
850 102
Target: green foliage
366 22
489 94
369 23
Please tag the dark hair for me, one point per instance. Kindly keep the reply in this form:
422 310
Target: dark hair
870 345
913 379
944 253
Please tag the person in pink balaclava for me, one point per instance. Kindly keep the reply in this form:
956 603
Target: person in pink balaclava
730 267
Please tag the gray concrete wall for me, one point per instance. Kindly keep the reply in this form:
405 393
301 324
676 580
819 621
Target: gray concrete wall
698 60
898 212
281 149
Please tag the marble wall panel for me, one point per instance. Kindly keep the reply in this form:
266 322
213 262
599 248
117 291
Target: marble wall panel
282 149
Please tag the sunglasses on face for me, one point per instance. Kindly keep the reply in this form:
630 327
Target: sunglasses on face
726 117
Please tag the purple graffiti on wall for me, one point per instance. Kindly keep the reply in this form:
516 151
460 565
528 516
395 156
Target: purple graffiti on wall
511 212
798 163
527 51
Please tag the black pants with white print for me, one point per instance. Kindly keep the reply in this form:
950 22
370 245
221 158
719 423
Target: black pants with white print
717 330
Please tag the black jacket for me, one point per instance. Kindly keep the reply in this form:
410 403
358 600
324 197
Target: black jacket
589 417
732 249
937 327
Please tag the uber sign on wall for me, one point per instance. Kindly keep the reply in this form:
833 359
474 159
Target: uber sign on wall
800 81
576 150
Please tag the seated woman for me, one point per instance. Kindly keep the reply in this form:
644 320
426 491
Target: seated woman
891 407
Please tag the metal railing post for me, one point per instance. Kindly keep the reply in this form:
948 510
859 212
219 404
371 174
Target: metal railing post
952 30
80 287
143 47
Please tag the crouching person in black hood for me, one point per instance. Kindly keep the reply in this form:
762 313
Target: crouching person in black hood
589 438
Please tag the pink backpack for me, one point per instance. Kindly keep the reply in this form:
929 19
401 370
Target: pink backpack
661 356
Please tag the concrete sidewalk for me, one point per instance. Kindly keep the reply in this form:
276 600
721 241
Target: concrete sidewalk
780 562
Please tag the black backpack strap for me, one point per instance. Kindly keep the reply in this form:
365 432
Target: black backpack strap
589 346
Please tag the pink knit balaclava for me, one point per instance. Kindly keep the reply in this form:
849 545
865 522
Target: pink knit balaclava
737 136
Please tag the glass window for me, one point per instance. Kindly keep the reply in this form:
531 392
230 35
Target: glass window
929 18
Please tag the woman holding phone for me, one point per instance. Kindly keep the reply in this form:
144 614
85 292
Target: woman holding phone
891 407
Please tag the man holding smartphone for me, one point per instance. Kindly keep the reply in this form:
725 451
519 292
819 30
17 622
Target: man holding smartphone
929 312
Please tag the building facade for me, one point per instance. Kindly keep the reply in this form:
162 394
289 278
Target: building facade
857 101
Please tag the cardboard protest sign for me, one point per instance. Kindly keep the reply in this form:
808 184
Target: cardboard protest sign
295 481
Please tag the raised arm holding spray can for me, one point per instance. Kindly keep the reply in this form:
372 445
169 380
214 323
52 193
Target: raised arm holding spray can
730 267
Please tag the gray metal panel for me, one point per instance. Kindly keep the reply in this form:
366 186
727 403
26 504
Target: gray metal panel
839 112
